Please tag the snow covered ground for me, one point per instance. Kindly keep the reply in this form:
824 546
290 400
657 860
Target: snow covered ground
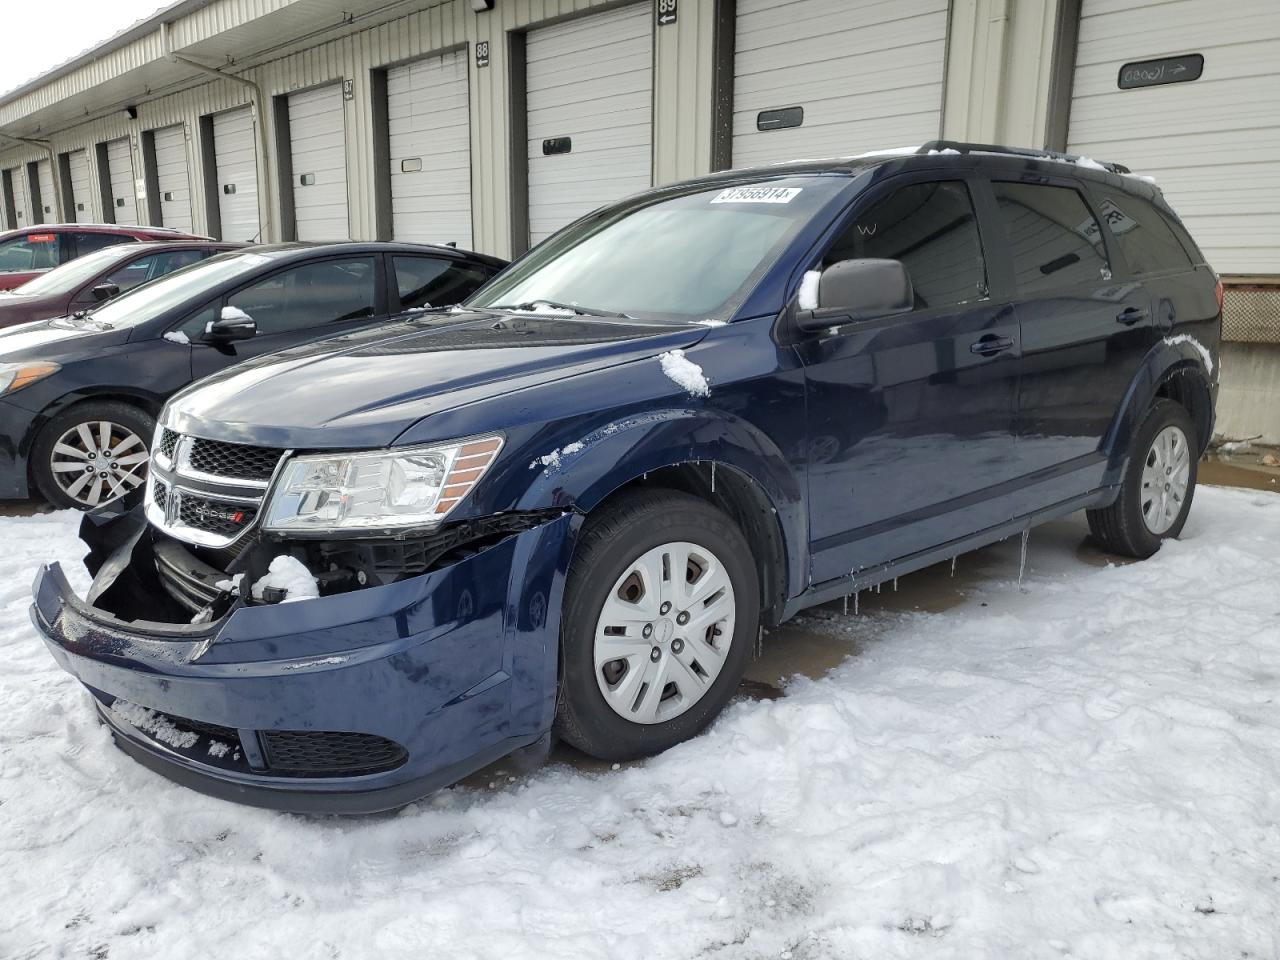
1086 765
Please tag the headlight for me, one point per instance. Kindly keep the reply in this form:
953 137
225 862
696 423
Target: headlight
387 489
15 376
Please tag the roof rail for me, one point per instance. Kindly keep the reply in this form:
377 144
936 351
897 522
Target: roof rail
961 147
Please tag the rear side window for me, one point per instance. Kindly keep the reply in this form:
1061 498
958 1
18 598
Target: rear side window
89 242
932 230
1142 233
32 251
1053 238
310 295
432 282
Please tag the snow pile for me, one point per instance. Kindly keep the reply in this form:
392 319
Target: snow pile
1090 164
684 373
1083 767
177 336
1205 356
234 313
288 574
230 585
808 299
153 723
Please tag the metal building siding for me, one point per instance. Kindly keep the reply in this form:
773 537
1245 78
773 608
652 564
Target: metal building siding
429 126
317 141
124 203
173 177
868 73
235 155
48 212
1211 143
81 190
590 80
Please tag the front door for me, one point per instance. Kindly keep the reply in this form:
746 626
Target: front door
910 418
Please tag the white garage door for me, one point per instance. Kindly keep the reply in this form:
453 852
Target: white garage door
590 124
317 144
124 204
18 184
833 78
1211 143
428 116
173 178
235 155
48 212
78 161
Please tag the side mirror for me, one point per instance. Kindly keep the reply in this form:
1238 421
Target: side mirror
105 291
232 324
854 290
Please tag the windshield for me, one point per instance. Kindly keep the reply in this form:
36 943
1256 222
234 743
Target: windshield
69 276
690 257
153 299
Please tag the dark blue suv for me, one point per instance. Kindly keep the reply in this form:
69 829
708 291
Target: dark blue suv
372 564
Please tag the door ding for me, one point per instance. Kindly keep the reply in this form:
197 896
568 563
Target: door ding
910 417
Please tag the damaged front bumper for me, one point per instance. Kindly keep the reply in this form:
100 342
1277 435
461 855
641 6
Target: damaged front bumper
353 703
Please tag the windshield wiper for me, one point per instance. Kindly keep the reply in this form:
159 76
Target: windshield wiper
571 307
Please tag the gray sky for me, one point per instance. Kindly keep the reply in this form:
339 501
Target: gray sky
40 34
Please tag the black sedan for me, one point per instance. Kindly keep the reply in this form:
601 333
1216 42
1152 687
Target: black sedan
79 395
86 282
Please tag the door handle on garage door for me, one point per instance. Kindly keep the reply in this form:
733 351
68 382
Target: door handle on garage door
1131 316
990 345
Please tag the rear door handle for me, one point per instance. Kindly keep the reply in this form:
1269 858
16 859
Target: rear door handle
990 345
1131 316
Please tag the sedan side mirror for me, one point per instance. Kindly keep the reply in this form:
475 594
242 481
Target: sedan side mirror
232 324
105 291
854 290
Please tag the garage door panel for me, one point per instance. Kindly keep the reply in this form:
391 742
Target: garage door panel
1210 143
18 182
317 143
81 202
173 178
868 75
236 164
48 212
124 202
591 80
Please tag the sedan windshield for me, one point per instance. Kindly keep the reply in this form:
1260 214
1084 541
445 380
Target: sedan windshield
151 300
70 276
690 257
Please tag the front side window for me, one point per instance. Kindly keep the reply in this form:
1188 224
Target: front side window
133 274
432 282
687 257
33 251
1054 239
70 275
932 230
1145 239
310 295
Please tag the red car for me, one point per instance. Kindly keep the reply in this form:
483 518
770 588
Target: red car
30 251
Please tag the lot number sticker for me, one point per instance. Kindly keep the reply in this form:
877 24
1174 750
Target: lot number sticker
757 195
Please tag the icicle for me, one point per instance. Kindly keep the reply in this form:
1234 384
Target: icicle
953 566
846 604
895 584
877 589
760 642
713 476
855 602
1022 562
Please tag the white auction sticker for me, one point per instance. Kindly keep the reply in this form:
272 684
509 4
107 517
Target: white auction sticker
756 195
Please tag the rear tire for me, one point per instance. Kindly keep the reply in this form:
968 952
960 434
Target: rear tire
1158 487
652 653
92 453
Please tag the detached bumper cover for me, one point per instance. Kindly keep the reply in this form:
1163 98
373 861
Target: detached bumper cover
455 669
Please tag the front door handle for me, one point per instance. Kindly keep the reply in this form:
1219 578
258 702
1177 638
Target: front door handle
1131 315
990 345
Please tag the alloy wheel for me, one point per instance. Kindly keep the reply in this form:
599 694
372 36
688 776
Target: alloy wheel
1165 476
98 461
664 632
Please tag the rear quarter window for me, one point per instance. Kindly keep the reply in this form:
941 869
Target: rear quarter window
1143 234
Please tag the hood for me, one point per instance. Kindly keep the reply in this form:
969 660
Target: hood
18 308
57 339
366 388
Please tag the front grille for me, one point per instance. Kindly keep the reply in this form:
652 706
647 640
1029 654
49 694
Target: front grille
329 753
215 516
236 460
168 443
160 493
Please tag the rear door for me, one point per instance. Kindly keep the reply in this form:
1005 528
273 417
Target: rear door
299 303
1085 327
910 417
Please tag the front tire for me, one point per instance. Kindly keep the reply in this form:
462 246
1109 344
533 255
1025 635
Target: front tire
661 609
1158 487
91 454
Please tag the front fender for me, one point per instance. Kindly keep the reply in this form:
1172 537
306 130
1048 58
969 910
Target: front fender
1182 356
